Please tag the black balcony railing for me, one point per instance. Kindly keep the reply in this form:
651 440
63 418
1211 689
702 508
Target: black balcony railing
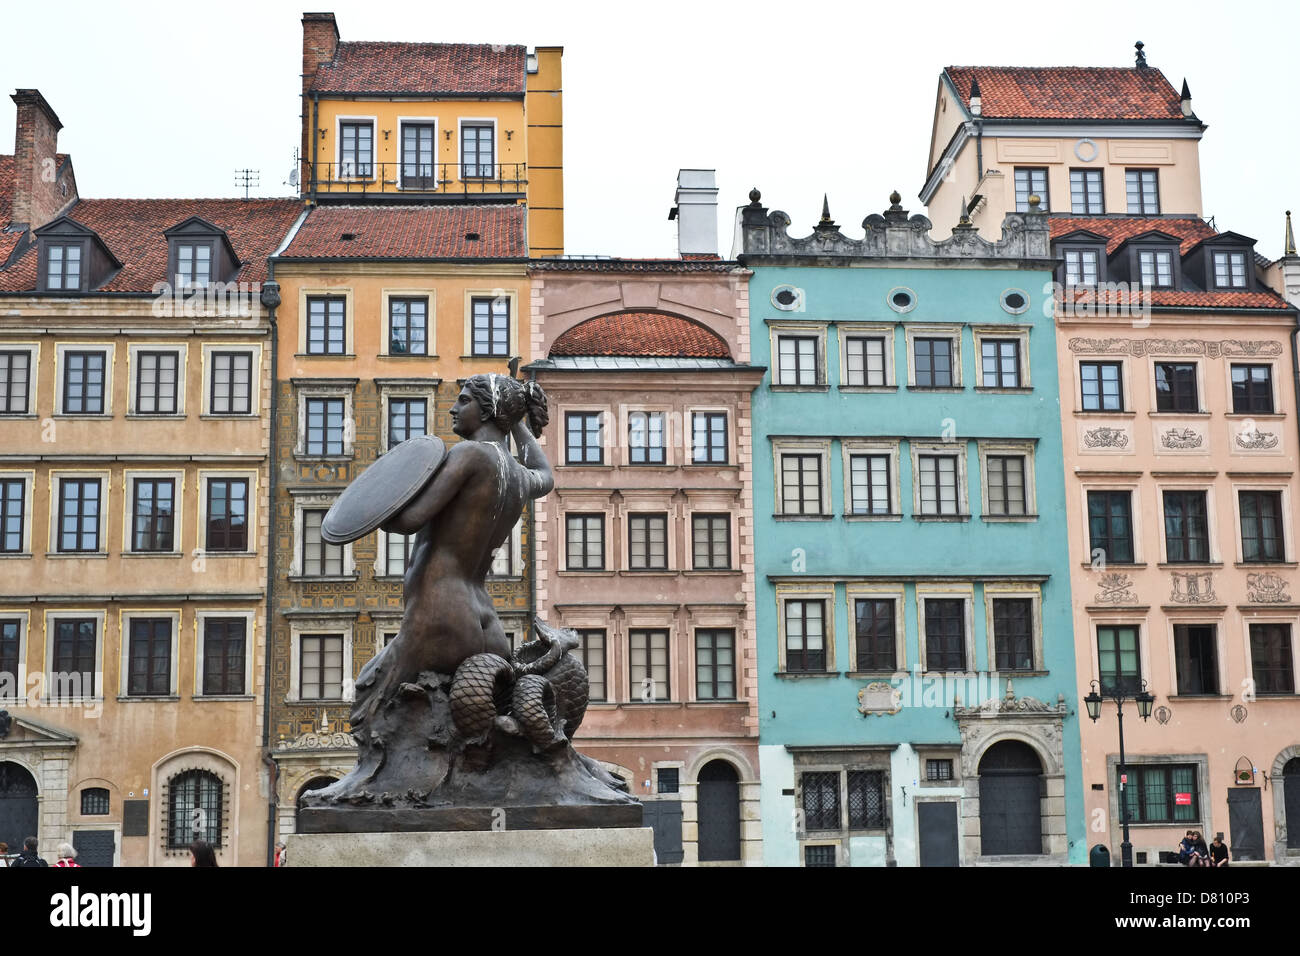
469 179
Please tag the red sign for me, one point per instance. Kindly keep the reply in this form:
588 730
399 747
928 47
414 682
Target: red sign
1183 799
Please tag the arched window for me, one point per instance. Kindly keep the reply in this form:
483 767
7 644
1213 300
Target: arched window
194 809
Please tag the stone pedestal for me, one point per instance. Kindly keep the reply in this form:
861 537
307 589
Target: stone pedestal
605 846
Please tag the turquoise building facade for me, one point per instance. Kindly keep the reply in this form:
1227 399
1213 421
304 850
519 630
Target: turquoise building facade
917 689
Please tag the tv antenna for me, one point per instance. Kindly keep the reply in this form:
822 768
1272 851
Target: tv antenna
292 181
247 178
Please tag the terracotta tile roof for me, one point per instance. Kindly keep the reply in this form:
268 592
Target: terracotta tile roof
1069 92
427 68
641 334
7 184
582 264
411 232
8 241
133 230
1190 230
1172 298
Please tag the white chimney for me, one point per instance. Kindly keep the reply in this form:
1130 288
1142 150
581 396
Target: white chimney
696 212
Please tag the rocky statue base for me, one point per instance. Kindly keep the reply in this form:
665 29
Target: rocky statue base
580 847
483 750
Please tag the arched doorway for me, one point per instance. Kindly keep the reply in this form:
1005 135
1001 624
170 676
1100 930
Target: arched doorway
19 815
1291 791
1011 820
315 783
718 812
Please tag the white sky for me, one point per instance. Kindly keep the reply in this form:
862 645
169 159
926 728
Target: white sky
168 99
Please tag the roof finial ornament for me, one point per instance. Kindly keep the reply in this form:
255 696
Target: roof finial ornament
826 210
754 196
1141 57
1035 201
976 101
1185 99
895 199
1290 237
963 220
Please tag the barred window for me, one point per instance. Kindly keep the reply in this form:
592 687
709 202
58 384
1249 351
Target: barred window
938 769
194 810
820 855
94 801
866 799
821 800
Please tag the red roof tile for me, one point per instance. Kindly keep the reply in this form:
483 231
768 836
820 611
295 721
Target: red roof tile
1172 298
641 334
8 182
427 68
1189 230
1069 92
133 231
414 232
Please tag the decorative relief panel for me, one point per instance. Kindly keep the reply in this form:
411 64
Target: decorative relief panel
879 697
1230 348
1115 588
1105 439
1192 587
1181 438
1265 587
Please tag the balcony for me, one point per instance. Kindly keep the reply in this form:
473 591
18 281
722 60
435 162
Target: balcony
425 182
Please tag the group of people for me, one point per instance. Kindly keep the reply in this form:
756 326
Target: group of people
1192 851
201 854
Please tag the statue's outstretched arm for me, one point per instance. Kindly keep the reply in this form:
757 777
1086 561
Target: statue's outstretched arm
533 458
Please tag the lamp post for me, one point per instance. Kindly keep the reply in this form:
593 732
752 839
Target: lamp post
1144 700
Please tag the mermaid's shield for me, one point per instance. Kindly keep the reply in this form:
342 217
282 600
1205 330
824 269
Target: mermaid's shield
383 489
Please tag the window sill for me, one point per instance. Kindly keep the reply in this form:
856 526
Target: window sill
152 554
1124 565
391 578
1009 672
601 466
936 388
322 458
1265 564
650 466
799 388
76 554
324 355
713 571
874 675
323 578
1004 389
142 417
1173 414
868 389
1008 519
16 417
494 358
1188 565
228 554
781 517
578 572
708 464
1104 413
1204 697
148 699
233 416
222 697
878 517
916 517
15 555
405 355
1279 695
1245 415
800 675
649 572
99 418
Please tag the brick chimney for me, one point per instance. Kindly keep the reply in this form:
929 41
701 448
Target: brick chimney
38 193
320 41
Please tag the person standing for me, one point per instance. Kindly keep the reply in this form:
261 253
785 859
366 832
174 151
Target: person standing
29 856
67 855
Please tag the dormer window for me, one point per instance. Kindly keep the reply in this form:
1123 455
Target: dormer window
63 266
193 264
1230 270
1157 268
199 253
1081 266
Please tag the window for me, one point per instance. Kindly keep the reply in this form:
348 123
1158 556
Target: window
648 659
1143 191
934 368
319 557
491 325
227 517
821 800
1118 661
15 376
325 418
715 664
1031 181
83 383
1230 270
645 438
938 769
864 360
194 807
1085 192
1080 267
63 267
1156 268
153 514
711 541
418 156
408 326
476 151
875 632
667 780
13 503
1153 793
397 552
407 418
326 325
805 633
155 383
1013 634
1102 391
869 484
1261 526
797 360
503 558
945 634
193 264
10 658
801 484
866 799
586 542
1196 659
1176 387
1006 484
72 660
647 542
1110 525
79 514
223 656
150 657
1187 534
320 667
1000 363
938 477
820 855
231 383
356 149
1252 389
709 438
591 651
94 801
1271 660
584 444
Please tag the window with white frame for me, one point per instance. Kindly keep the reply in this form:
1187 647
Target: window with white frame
226 514
801 476
1230 270
584 442
585 542
715 664
1007 479
320 666
945 632
326 325
15 381
645 438
74 657
13 514
477 151
797 359
230 382
711 541
325 425
408 417
1086 193
1156 268
508 557
80 511
933 362
647 542
83 390
157 380
591 652
870 483
1143 191
149 655
805 635
866 360
709 438
408 325
397 552
12 654
356 149
224 655
1081 267
153 513
648 672
1000 362
319 557
490 325
939 480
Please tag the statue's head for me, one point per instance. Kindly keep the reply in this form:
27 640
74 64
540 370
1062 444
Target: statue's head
499 400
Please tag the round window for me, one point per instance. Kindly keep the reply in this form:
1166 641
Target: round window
787 298
1015 301
901 300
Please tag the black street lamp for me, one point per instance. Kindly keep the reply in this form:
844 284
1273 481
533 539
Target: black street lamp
1144 702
